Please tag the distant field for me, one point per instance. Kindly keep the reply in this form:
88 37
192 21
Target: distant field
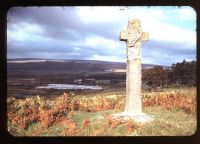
174 111
24 75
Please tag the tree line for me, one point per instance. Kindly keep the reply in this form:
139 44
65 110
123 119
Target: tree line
182 73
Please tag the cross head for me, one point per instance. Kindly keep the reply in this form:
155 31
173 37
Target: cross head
133 33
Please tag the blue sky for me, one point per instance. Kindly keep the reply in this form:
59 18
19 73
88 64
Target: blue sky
91 33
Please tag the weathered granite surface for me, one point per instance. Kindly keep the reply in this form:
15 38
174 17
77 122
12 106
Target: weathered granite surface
133 36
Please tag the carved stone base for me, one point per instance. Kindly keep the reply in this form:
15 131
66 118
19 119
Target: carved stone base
136 117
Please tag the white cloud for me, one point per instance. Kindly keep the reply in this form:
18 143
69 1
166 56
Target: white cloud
24 31
100 42
160 28
99 14
107 58
169 33
155 20
186 13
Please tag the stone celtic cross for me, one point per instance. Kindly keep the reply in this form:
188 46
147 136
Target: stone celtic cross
133 36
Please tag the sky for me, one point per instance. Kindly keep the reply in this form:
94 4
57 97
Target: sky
92 33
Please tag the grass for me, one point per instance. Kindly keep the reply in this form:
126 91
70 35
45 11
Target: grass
174 112
169 122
